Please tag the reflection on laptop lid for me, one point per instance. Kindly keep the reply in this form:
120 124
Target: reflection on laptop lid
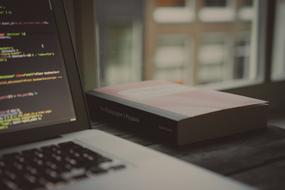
40 92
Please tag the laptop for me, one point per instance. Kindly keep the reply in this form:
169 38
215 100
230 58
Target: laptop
45 136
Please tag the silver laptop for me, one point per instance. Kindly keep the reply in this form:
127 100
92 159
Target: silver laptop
45 138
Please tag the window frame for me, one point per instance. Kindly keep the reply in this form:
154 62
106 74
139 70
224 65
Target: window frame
267 89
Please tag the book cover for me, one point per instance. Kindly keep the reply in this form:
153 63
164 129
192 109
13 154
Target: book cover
176 113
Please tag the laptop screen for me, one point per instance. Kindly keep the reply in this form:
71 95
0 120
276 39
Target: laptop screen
34 87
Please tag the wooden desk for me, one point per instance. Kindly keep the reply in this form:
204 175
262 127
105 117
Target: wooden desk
256 158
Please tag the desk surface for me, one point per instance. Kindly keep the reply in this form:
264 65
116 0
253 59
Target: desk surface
256 158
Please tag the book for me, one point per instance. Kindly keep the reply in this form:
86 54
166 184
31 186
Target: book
176 113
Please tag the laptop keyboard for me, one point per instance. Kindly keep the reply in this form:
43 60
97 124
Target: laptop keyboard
49 166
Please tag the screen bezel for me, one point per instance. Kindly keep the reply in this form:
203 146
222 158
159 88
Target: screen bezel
72 69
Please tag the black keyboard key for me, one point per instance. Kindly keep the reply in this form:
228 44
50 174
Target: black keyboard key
10 175
30 152
12 156
31 170
80 176
74 173
8 185
97 170
118 167
69 145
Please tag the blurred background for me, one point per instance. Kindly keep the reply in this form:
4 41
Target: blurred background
221 44
186 41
